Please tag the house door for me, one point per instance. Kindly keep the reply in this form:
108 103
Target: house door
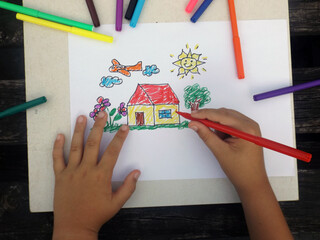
140 118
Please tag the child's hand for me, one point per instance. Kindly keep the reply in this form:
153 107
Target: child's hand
83 199
242 161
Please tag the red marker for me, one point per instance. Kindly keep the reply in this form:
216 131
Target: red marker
191 5
263 142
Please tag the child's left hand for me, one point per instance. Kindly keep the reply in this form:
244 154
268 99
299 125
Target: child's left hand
83 198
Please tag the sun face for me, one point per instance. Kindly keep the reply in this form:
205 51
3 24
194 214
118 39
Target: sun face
188 63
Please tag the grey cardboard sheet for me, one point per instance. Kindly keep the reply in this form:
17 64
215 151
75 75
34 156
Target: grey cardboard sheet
47 73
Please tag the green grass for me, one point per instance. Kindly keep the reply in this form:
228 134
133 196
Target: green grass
116 127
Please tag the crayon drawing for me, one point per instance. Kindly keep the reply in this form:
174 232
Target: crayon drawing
196 97
150 70
155 145
189 62
110 81
114 114
125 70
152 105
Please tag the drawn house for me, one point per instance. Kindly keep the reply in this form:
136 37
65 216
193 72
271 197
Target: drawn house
153 104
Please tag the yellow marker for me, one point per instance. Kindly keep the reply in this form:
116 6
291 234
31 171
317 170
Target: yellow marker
61 27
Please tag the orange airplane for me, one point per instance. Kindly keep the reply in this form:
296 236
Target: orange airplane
125 70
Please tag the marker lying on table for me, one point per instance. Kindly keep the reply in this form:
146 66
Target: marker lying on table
22 107
119 15
38 14
73 30
236 40
263 142
200 10
136 13
286 90
191 5
131 8
93 13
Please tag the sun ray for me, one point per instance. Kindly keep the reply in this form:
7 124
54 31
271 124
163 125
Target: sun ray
172 70
192 76
171 55
187 45
196 56
196 47
177 63
204 69
200 63
195 70
205 58
181 71
182 55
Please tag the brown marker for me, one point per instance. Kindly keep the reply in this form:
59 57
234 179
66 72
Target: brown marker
93 13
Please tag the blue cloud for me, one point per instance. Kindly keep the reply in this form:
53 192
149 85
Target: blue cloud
153 69
109 81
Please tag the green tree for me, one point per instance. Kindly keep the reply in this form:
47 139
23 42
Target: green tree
196 97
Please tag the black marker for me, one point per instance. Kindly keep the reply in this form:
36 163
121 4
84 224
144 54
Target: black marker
131 8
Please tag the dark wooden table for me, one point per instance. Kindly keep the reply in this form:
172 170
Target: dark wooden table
188 222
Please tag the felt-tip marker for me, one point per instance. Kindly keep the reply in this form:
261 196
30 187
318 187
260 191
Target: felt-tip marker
263 142
23 107
200 10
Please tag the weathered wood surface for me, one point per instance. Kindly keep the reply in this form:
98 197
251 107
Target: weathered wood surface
188 222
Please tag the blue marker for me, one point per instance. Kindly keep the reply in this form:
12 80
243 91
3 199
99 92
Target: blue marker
136 14
201 10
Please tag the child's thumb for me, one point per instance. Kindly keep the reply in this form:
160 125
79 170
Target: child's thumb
210 138
128 187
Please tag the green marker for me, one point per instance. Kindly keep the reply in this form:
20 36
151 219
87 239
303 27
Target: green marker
23 107
38 14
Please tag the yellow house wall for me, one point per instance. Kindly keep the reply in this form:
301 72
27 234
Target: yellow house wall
175 117
148 114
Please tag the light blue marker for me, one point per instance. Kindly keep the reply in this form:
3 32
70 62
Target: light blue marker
136 14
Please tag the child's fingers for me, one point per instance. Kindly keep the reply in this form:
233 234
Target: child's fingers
228 117
112 152
57 155
125 191
91 150
214 143
221 115
76 148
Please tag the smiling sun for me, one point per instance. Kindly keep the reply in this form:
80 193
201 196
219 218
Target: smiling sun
188 63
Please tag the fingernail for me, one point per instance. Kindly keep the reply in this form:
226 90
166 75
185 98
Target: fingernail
80 119
58 137
137 175
101 115
124 128
194 128
194 111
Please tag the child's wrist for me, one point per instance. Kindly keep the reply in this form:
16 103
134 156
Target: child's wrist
254 187
73 234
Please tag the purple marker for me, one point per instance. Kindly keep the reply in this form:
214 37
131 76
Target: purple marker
119 15
286 90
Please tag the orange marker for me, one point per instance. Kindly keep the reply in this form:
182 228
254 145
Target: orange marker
236 40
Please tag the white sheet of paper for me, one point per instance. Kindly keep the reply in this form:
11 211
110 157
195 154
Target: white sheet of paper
168 154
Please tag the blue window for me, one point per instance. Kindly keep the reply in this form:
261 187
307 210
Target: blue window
165 113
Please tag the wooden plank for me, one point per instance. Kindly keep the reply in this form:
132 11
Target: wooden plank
11 63
304 17
11 30
13 129
307 111
14 163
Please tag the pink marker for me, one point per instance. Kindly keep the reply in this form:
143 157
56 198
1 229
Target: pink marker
191 5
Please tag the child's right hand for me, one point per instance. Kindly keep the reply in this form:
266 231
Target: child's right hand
242 161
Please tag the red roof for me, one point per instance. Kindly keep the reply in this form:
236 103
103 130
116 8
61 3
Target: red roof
152 94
